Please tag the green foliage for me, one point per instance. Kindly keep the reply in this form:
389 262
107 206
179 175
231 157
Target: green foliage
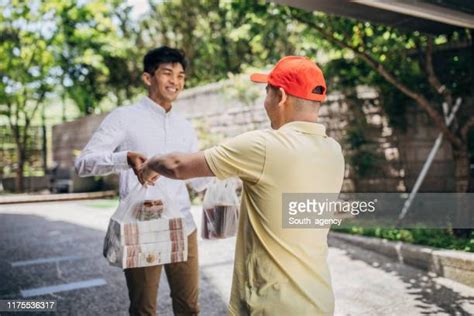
402 54
51 47
206 138
364 162
27 66
104 204
221 37
27 70
471 142
439 238
356 137
362 154
94 51
242 90
395 62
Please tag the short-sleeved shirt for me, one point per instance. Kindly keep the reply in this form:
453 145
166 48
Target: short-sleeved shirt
279 271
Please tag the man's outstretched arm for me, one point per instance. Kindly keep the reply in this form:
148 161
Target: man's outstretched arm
175 166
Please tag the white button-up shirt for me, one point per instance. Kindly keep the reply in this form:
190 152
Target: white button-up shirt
147 128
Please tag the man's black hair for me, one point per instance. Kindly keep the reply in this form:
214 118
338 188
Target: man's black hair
162 55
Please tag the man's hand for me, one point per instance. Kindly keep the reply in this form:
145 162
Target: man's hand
175 166
146 175
135 161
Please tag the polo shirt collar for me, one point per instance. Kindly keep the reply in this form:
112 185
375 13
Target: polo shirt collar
306 127
149 103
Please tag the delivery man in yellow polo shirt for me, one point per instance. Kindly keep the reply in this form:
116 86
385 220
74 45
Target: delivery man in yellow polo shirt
277 271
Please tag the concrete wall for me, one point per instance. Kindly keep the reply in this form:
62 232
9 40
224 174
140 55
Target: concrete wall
415 145
71 137
218 114
30 184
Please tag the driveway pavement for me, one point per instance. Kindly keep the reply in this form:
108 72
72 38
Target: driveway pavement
54 251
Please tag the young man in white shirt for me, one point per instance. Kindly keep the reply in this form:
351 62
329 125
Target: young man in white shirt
124 140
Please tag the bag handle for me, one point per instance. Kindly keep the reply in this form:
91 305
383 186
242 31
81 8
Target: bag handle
137 192
170 210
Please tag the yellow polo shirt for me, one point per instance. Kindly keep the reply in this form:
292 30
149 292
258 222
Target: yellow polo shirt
279 271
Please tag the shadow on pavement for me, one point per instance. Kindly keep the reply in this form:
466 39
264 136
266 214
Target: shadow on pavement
419 283
79 249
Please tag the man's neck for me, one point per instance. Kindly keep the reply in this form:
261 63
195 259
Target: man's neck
304 117
160 102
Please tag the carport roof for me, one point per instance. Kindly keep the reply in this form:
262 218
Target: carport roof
428 16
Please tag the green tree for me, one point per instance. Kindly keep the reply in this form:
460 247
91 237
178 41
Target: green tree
27 69
125 61
402 66
77 50
95 51
219 37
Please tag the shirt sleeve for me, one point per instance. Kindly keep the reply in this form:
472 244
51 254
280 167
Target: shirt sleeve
100 156
198 184
242 156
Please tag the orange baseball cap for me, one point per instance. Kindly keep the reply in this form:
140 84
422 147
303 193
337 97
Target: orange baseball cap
298 76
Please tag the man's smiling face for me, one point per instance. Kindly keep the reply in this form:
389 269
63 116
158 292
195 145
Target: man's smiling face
166 83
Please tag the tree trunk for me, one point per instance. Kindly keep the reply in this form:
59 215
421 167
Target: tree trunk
19 170
44 142
63 103
462 169
462 176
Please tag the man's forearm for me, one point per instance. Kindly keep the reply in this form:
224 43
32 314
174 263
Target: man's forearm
166 165
180 166
100 164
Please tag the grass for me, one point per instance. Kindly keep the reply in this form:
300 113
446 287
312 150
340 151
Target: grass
439 238
109 203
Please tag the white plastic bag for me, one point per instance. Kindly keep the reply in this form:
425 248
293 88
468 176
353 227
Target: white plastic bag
145 230
220 216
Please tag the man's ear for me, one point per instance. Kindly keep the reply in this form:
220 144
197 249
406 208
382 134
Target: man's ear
146 77
283 97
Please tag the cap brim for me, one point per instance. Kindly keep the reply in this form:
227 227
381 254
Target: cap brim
261 78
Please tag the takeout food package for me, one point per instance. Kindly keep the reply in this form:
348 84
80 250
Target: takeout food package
149 209
145 232
221 221
220 210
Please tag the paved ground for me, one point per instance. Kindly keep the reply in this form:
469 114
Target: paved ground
60 244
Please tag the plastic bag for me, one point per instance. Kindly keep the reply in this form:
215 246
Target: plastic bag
145 230
220 216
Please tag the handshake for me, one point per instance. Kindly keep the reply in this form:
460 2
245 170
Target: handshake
140 165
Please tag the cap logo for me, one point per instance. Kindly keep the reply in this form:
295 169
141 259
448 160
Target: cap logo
318 90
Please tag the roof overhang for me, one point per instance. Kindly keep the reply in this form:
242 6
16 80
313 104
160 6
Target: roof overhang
435 16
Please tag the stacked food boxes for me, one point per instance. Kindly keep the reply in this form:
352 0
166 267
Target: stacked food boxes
146 237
